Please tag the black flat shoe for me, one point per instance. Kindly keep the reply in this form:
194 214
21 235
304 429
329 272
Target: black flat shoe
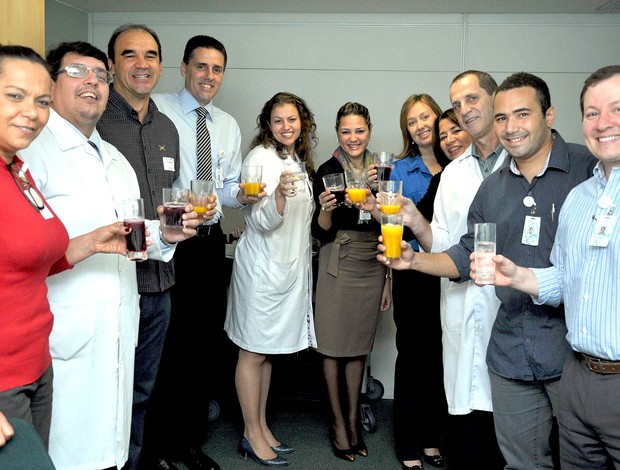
344 454
434 460
283 449
246 449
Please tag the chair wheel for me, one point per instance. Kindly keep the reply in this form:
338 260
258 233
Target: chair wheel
374 389
368 418
214 410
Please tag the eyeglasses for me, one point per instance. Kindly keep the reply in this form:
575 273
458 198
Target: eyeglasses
22 182
81 70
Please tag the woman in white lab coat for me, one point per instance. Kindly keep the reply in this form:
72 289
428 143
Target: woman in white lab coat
270 299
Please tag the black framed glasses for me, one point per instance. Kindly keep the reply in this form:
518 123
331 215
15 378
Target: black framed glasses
81 70
22 182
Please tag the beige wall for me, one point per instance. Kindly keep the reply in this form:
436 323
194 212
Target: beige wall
23 22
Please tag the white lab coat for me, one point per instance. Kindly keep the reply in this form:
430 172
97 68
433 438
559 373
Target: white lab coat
95 304
270 299
467 311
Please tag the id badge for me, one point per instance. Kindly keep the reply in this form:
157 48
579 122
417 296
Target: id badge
219 173
531 231
603 230
364 216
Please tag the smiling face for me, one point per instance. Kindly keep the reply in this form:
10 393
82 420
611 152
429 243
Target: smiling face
353 135
601 121
25 96
137 66
521 126
452 139
473 106
81 101
420 120
203 74
285 125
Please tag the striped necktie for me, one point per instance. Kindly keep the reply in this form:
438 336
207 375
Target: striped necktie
203 146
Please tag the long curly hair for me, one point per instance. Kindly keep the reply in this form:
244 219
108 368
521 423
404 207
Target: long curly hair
307 141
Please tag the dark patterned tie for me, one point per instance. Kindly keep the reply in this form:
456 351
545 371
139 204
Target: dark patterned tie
203 146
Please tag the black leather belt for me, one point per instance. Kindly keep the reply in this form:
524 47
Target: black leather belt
601 366
208 230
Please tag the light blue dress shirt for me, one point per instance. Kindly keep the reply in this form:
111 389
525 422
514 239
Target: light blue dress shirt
225 145
585 277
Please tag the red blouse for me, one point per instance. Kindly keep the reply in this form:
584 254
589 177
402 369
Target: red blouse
34 244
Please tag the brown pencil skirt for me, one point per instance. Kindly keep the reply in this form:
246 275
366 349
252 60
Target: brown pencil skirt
348 294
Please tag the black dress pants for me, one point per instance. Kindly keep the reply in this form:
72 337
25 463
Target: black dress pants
196 349
420 407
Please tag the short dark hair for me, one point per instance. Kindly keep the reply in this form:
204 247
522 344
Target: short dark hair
203 41
352 108
524 79
130 27
486 82
595 78
54 56
21 52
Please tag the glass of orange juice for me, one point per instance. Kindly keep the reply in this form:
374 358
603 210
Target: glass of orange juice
392 232
251 178
390 195
357 182
199 193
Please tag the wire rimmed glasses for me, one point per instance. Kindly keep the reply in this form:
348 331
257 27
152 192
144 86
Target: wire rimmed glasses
22 182
81 70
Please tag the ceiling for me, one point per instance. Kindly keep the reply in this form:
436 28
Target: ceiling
349 6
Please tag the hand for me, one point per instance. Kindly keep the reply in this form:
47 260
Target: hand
370 203
249 200
406 256
110 239
286 187
6 430
191 221
327 201
411 214
505 270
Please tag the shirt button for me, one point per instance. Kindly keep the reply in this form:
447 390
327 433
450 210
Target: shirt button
584 330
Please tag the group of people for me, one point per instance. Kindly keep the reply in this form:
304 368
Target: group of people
478 372
553 350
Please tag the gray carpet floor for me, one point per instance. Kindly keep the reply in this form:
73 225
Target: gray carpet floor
305 427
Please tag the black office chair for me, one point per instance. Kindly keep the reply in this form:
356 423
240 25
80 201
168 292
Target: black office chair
25 450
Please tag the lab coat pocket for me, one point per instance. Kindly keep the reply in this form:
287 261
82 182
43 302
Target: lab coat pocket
275 277
73 332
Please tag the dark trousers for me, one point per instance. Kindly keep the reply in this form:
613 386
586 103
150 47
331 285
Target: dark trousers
589 417
194 349
471 442
420 406
154 320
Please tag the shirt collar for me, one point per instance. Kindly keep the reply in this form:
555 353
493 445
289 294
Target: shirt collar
189 104
117 101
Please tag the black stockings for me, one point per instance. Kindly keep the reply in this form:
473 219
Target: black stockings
343 378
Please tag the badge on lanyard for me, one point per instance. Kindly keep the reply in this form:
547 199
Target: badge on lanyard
219 173
603 230
531 231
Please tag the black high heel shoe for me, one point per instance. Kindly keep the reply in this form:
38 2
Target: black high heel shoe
344 454
434 460
246 449
283 449
360 448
